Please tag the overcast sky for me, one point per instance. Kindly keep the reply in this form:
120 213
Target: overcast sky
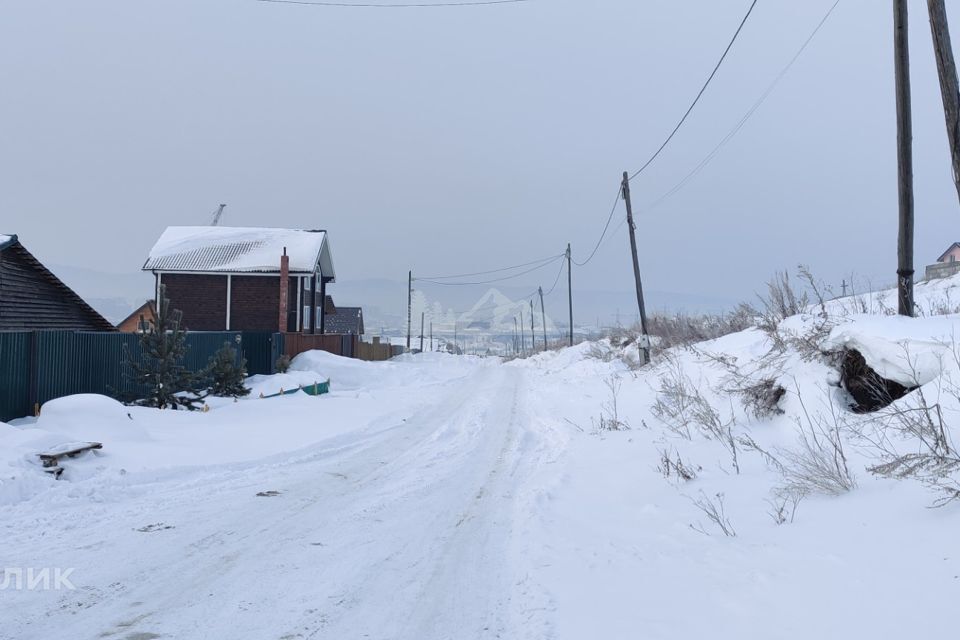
458 139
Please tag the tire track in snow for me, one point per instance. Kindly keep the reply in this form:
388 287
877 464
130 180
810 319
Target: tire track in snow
402 530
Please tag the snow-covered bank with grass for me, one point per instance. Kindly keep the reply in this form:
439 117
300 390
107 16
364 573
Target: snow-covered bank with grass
729 490
726 490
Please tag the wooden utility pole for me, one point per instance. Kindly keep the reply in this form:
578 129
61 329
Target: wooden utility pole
533 335
901 50
570 293
949 87
543 318
421 331
645 344
523 336
516 343
409 302
431 335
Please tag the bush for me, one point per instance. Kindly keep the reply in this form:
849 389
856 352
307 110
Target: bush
228 372
165 381
282 364
819 465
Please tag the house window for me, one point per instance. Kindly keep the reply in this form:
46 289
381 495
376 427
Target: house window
953 258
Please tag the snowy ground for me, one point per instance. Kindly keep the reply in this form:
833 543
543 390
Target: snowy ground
444 497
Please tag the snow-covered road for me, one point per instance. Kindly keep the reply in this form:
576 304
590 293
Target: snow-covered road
404 529
437 497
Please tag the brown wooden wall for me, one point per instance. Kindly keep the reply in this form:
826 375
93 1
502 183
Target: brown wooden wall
349 346
374 352
296 343
31 297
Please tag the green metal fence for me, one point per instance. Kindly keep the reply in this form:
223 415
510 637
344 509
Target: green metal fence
36 366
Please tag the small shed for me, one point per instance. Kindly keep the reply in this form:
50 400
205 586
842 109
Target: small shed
31 297
244 278
346 320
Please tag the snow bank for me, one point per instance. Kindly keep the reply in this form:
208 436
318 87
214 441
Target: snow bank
909 351
90 416
271 384
141 444
352 375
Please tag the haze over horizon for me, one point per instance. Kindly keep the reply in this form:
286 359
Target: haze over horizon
449 141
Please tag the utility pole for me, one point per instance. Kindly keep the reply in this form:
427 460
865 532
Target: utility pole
514 335
543 318
904 159
843 287
570 293
949 86
523 336
421 332
409 302
645 344
431 335
456 346
533 336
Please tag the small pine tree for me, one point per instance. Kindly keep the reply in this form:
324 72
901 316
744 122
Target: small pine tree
159 373
227 374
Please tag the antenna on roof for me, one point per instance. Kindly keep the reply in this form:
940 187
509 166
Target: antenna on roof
216 217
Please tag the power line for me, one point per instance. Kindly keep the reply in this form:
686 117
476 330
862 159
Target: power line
554 285
756 105
483 273
700 94
404 5
479 282
613 210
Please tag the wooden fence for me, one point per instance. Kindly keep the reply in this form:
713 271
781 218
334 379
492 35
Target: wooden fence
374 351
346 345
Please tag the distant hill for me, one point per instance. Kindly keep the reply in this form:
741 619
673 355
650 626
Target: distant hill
384 301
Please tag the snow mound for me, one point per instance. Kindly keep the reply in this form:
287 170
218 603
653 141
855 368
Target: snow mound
349 374
89 416
345 373
909 351
271 384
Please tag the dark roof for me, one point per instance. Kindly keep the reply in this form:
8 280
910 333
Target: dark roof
34 298
345 320
949 249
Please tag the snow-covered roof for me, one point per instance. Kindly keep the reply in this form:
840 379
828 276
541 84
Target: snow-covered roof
6 240
240 250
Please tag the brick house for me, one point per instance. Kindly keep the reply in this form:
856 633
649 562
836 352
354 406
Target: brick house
31 297
244 278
